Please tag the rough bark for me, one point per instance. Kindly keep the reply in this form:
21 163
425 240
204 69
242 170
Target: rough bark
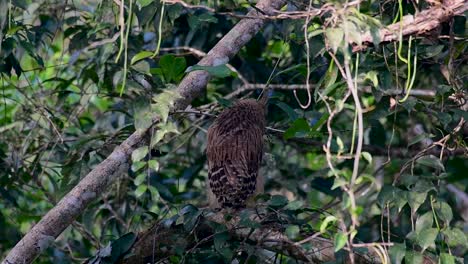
96 182
418 24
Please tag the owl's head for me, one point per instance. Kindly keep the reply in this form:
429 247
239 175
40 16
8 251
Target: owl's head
253 106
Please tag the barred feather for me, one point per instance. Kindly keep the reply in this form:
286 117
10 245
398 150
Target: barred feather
235 150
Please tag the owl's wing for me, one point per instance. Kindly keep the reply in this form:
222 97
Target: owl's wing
233 166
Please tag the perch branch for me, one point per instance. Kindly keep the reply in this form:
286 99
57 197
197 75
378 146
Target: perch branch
161 241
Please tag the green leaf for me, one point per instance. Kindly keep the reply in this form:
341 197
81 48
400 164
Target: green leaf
329 79
190 220
162 110
298 126
121 246
172 67
372 76
455 237
288 110
386 195
142 67
335 38
137 165
220 240
329 219
425 221
143 3
141 190
163 129
140 56
154 193
367 156
139 153
446 259
278 201
220 71
223 102
413 257
443 211
319 123
340 144
292 231
188 209
419 138
397 253
197 21
153 164
294 205
221 245
164 101
415 199
140 179
401 199
351 28
431 161
426 238
340 241
432 51
143 116
338 182
246 220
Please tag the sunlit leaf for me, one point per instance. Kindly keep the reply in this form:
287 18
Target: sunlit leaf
340 240
140 56
141 178
220 71
328 220
372 76
445 258
139 153
367 156
335 38
413 257
141 190
153 164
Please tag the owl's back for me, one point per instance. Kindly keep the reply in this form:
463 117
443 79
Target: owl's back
235 150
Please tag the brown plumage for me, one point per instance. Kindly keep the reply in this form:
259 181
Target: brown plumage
235 151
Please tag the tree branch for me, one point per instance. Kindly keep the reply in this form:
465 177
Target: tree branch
421 23
161 241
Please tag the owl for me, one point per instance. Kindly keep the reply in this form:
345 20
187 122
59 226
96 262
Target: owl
235 151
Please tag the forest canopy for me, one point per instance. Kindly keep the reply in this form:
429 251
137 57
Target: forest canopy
105 107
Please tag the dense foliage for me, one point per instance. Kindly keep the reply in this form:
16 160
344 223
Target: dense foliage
75 83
